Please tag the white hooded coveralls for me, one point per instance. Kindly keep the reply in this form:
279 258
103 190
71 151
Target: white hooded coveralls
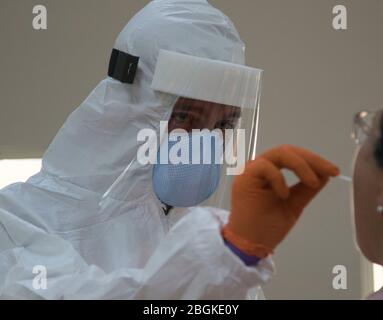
127 248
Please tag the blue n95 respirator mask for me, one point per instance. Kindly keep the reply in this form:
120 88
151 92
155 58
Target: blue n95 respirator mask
188 168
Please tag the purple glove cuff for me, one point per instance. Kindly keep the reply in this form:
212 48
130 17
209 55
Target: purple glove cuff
247 260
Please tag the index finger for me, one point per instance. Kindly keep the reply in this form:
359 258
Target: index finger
320 165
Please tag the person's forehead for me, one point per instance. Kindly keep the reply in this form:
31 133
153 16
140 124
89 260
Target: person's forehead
185 103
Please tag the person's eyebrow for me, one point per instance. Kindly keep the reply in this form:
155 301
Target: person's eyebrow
190 108
181 108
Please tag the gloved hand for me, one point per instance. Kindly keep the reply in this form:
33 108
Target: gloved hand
263 207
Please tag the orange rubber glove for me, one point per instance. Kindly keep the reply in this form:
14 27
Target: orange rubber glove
263 207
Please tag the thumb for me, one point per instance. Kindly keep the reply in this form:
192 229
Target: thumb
301 195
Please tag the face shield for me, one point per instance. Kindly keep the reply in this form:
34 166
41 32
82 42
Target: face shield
208 132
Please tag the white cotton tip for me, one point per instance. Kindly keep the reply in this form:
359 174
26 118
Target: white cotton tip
345 178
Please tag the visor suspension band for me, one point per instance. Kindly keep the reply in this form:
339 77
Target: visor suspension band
123 66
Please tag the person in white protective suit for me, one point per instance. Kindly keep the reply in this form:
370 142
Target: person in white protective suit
123 245
105 226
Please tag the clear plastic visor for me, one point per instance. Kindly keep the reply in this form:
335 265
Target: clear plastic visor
203 97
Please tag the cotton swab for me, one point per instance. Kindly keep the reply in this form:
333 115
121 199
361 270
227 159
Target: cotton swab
344 178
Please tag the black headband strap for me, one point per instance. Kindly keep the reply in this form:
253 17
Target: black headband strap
123 66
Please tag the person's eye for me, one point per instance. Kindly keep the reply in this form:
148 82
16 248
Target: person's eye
180 117
223 125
